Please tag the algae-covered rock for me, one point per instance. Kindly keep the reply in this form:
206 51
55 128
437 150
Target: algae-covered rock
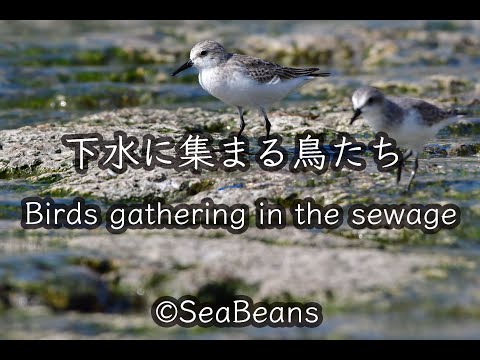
75 288
56 281
464 149
101 78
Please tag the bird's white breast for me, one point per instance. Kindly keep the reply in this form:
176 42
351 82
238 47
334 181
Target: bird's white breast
237 89
414 132
410 131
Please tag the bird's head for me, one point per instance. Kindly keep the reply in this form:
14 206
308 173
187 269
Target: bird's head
366 100
206 54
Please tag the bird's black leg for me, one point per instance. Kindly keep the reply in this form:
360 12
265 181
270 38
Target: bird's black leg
242 121
399 171
267 126
267 122
402 164
409 153
413 172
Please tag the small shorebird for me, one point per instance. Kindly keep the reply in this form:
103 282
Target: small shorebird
411 122
245 81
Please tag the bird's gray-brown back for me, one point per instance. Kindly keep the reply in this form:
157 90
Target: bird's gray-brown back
430 113
265 71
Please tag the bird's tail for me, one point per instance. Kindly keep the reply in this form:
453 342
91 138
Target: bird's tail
323 74
458 112
294 72
320 74
453 115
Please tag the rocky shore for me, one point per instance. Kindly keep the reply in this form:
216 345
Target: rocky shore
97 272
84 77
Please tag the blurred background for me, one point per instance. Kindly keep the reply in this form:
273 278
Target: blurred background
55 72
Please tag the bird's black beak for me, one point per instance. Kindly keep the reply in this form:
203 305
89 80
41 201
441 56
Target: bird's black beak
357 113
185 66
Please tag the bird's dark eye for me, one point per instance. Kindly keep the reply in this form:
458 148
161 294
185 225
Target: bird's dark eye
370 101
203 53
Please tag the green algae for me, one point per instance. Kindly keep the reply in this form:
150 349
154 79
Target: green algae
224 290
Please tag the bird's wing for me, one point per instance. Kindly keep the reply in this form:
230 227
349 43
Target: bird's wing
431 114
268 72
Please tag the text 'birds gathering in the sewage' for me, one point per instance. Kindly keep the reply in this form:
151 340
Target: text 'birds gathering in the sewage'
195 152
303 214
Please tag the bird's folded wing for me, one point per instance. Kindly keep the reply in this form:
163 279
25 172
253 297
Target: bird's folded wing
430 113
268 72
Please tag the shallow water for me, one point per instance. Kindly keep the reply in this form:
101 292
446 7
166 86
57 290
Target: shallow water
56 72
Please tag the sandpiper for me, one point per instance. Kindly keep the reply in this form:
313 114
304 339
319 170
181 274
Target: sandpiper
245 81
411 122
